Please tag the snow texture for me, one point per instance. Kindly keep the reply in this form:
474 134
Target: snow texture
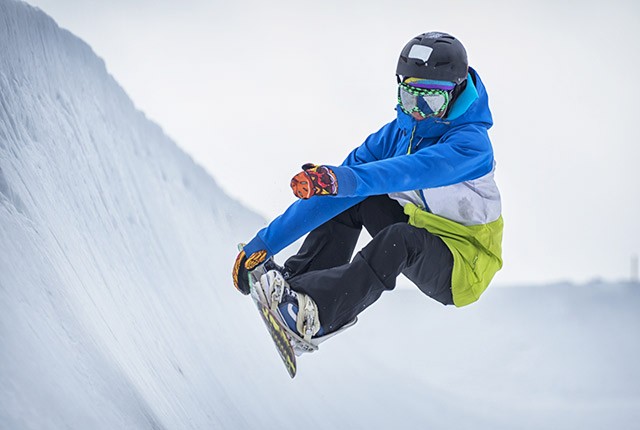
117 309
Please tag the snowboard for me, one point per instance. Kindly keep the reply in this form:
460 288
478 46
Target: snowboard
280 339
277 329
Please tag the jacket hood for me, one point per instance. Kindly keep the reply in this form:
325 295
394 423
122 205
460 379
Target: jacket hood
471 107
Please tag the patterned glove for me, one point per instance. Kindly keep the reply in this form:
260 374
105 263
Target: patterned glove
243 266
314 180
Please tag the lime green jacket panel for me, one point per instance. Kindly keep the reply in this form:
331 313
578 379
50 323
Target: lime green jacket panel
476 250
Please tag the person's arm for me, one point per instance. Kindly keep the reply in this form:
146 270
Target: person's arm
299 219
376 147
305 215
463 154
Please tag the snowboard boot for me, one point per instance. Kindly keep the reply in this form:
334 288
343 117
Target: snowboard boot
298 310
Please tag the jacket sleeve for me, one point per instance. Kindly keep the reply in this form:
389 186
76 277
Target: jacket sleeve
299 219
375 147
305 215
464 153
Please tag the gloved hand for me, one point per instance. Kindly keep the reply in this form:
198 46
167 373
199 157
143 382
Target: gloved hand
243 266
314 180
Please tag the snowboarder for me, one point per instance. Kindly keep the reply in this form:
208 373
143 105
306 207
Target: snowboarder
423 187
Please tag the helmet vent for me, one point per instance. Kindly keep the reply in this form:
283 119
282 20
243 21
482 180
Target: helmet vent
448 42
441 63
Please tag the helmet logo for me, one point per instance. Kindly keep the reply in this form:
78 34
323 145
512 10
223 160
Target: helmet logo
420 52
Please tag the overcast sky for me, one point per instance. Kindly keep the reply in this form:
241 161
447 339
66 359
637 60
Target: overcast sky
254 89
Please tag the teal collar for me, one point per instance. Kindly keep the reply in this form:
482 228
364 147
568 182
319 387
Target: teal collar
464 100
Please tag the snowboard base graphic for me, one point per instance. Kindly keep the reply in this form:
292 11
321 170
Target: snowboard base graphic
279 336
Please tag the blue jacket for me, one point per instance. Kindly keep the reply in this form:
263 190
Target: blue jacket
403 156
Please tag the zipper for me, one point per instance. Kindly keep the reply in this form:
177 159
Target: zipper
411 138
419 192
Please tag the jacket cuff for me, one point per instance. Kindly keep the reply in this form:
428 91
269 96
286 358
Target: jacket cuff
256 244
347 181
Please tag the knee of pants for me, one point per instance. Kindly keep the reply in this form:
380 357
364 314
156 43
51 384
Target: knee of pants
413 240
398 236
399 231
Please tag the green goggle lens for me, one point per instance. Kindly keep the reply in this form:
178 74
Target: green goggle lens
427 102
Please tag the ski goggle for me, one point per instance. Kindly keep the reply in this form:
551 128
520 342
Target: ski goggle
426 101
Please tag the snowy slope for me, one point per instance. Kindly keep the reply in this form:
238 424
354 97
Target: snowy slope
112 242
117 310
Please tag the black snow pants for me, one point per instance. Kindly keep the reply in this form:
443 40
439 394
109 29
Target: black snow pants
341 287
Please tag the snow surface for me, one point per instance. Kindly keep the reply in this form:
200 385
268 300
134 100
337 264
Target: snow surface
117 309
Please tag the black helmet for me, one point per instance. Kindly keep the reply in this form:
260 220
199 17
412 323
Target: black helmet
434 55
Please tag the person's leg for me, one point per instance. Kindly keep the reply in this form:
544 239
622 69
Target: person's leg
332 244
343 292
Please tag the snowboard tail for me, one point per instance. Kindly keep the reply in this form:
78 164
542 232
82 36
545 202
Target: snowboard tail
279 336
